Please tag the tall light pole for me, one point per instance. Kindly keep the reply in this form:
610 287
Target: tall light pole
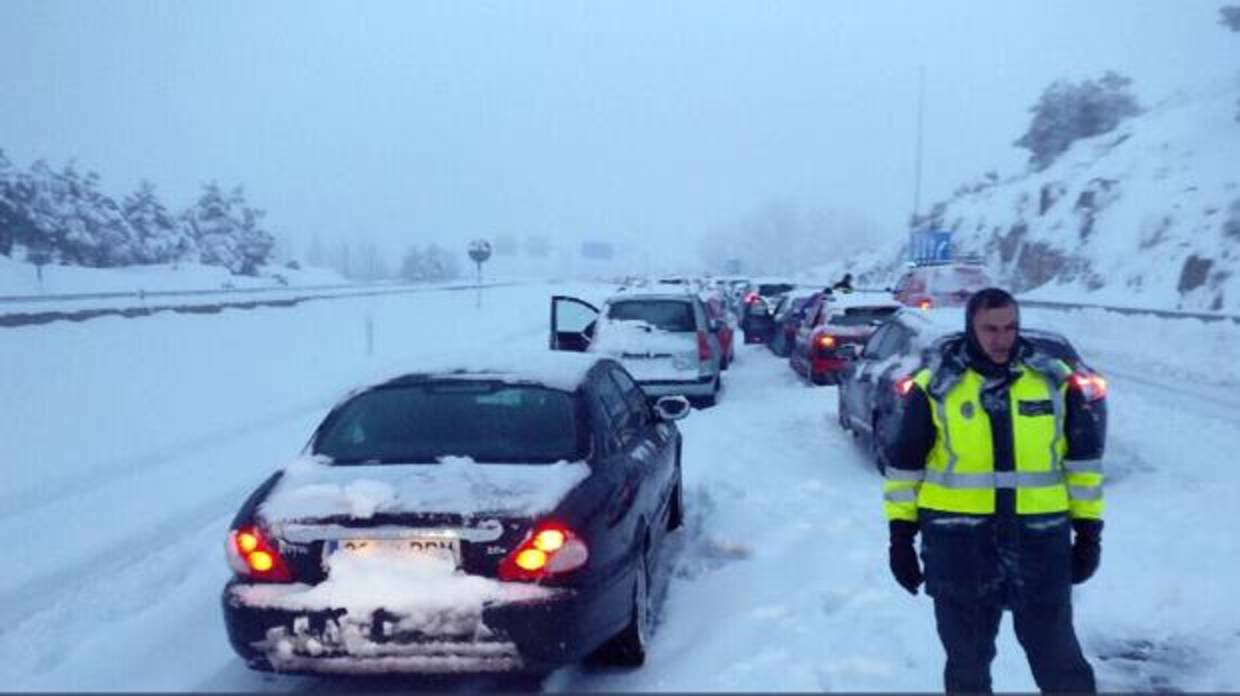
921 99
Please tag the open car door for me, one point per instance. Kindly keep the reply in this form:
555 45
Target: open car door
572 323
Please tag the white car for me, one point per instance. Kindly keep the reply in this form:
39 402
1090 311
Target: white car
663 337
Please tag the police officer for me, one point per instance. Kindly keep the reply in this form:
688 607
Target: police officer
997 463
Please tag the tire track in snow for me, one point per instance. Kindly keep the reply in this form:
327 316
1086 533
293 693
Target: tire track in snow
15 503
63 591
1222 404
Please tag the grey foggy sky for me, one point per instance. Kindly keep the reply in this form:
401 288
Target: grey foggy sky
420 121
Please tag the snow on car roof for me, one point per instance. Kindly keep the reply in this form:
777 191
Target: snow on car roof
654 292
932 323
846 300
562 370
802 293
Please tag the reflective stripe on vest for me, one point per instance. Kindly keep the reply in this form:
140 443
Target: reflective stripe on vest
901 495
1060 407
940 408
894 474
997 479
1083 466
1085 492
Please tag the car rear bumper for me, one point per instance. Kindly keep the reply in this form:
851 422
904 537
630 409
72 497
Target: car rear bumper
531 636
827 366
702 386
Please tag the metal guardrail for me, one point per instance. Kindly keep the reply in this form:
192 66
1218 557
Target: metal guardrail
143 294
1137 311
16 319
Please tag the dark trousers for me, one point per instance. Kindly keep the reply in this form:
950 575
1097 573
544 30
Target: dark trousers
968 632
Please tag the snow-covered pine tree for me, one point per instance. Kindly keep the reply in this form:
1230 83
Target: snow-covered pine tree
254 244
214 230
44 238
11 219
161 238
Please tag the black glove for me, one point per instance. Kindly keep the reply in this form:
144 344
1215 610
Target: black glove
903 556
1086 549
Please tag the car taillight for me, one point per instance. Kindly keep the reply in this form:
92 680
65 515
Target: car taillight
1091 386
904 385
924 303
703 346
551 548
752 298
251 553
826 341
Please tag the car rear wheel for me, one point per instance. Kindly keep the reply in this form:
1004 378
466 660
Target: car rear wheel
710 399
876 449
676 517
842 415
628 648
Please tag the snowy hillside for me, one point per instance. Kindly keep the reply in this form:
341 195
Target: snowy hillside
1146 215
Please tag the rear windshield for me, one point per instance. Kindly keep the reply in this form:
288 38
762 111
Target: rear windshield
668 315
861 316
1056 346
768 289
421 422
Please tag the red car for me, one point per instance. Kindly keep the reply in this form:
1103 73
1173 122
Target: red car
841 319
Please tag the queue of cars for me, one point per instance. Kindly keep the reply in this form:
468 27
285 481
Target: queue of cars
507 517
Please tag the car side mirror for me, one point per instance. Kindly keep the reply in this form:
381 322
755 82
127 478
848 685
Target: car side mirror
671 408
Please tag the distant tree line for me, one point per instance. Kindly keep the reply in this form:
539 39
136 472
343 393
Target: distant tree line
61 217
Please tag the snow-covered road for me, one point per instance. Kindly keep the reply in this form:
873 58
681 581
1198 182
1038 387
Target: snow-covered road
127 445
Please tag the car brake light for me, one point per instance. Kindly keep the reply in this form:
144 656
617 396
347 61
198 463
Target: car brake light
904 385
251 554
826 341
552 548
924 303
703 346
752 298
1091 386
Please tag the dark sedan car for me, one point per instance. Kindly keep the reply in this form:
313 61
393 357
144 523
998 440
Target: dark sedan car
790 314
474 520
873 383
758 308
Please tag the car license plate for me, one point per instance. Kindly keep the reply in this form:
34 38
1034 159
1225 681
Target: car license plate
446 548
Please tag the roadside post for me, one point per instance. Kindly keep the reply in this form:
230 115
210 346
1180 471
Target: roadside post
479 251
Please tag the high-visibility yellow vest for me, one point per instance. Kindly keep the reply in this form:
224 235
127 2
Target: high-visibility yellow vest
959 474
